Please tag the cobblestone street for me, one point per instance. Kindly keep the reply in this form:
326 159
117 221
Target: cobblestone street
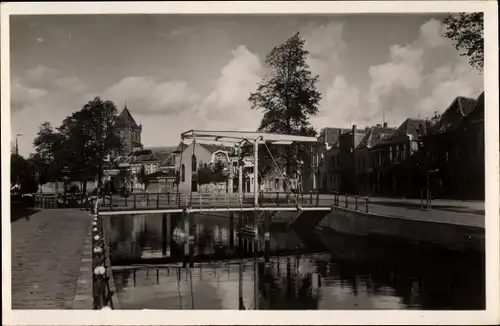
46 254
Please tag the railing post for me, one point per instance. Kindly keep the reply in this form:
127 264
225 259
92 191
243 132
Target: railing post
366 203
147 199
356 202
277 195
126 200
346 201
158 200
317 198
110 201
310 197
135 202
168 198
200 201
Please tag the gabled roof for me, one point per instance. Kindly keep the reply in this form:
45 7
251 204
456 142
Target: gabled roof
331 135
162 149
454 115
360 134
125 117
180 148
478 111
374 135
214 148
410 127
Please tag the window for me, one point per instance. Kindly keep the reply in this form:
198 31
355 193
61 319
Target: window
397 153
403 154
183 173
194 166
390 153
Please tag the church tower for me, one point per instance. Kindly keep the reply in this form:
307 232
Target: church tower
129 131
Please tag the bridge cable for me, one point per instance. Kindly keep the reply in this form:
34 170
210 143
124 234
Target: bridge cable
281 172
191 186
180 172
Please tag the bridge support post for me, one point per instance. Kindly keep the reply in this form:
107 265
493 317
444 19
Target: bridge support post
166 234
366 203
231 230
356 202
240 238
187 240
256 173
267 236
192 235
346 202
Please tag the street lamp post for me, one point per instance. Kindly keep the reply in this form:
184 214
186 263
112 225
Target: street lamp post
17 159
17 146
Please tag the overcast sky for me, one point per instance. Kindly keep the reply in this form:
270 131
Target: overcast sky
181 72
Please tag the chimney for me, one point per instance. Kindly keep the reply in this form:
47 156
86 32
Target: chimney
385 124
354 127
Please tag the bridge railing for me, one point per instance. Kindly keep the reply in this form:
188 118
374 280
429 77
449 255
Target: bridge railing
101 288
206 200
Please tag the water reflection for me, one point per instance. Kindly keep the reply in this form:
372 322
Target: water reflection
308 270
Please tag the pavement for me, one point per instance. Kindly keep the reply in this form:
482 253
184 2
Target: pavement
47 247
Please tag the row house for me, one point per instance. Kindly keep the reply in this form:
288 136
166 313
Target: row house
324 157
365 180
348 142
474 143
392 161
456 144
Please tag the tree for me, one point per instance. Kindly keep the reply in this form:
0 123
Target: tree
91 135
142 176
50 153
214 173
23 174
288 97
219 172
204 174
467 30
82 142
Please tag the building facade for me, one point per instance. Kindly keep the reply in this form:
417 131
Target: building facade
348 142
458 150
363 161
320 175
394 168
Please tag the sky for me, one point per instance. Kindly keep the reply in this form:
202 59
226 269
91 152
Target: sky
182 72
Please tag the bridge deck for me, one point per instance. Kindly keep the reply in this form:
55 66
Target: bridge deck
210 202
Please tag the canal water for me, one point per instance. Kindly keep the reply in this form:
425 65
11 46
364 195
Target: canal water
308 269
